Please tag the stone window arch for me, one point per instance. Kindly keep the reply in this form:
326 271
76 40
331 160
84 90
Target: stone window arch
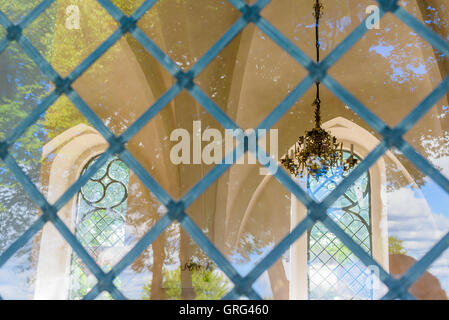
349 133
334 272
364 142
64 159
100 220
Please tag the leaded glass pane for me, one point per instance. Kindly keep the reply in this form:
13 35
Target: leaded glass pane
100 220
334 272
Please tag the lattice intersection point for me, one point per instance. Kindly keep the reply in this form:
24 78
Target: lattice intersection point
176 209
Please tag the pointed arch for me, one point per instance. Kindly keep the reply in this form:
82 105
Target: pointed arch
64 158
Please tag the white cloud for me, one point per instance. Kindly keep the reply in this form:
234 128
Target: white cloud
411 219
14 279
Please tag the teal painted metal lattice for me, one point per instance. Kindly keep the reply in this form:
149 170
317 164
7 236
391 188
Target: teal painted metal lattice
392 137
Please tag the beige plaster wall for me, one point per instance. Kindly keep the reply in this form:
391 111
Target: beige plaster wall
247 80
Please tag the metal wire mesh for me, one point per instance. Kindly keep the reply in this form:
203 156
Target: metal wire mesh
176 209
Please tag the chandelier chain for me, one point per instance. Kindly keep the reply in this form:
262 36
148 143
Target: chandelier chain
318 11
317 152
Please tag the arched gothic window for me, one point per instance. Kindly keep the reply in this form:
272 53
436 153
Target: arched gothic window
100 220
334 272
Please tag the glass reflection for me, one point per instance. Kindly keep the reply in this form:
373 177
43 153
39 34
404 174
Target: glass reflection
390 70
100 220
334 272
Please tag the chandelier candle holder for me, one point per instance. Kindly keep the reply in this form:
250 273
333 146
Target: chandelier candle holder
317 152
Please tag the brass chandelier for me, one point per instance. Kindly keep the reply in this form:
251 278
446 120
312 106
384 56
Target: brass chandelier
317 152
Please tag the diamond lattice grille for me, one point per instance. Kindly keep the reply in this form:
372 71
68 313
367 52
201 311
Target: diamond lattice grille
176 208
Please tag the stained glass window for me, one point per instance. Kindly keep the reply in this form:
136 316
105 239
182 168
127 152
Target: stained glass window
334 272
100 220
